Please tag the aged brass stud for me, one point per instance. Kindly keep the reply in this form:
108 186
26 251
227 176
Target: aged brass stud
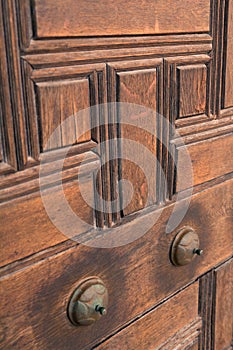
88 303
185 247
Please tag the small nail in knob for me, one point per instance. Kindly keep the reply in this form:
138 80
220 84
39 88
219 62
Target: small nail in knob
101 310
197 251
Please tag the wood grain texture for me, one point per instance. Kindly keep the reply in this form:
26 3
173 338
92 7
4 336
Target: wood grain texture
26 226
59 104
208 160
229 61
206 309
223 332
192 83
13 69
156 327
119 18
38 294
8 151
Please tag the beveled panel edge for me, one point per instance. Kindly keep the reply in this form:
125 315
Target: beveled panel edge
79 57
26 182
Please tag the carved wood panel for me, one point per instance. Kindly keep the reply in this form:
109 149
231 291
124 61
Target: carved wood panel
192 86
56 98
224 307
59 104
137 83
217 309
188 88
229 62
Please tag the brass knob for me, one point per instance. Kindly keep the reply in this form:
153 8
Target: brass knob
185 247
88 303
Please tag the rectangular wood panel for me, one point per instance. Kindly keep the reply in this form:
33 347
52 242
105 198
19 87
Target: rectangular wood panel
107 17
59 104
135 86
229 60
59 101
153 329
224 307
209 159
138 88
187 88
192 83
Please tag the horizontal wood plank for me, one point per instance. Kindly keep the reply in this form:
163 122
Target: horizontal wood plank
210 159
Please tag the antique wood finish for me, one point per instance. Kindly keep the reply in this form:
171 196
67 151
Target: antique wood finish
81 67
40 306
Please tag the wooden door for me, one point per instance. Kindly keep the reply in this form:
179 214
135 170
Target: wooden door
115 135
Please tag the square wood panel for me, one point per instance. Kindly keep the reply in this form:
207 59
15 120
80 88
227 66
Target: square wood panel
59 98
187 90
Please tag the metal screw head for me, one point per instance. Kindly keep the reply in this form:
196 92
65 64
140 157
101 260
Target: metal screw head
197 251
101 310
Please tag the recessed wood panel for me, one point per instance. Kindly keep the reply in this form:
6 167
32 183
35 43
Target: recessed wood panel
60 99
108 17
155 328
187 89
136 87
139 88
192 90
229 60
224 306
59 103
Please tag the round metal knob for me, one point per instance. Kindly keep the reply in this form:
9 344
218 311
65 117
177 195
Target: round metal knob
89 302
185 247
